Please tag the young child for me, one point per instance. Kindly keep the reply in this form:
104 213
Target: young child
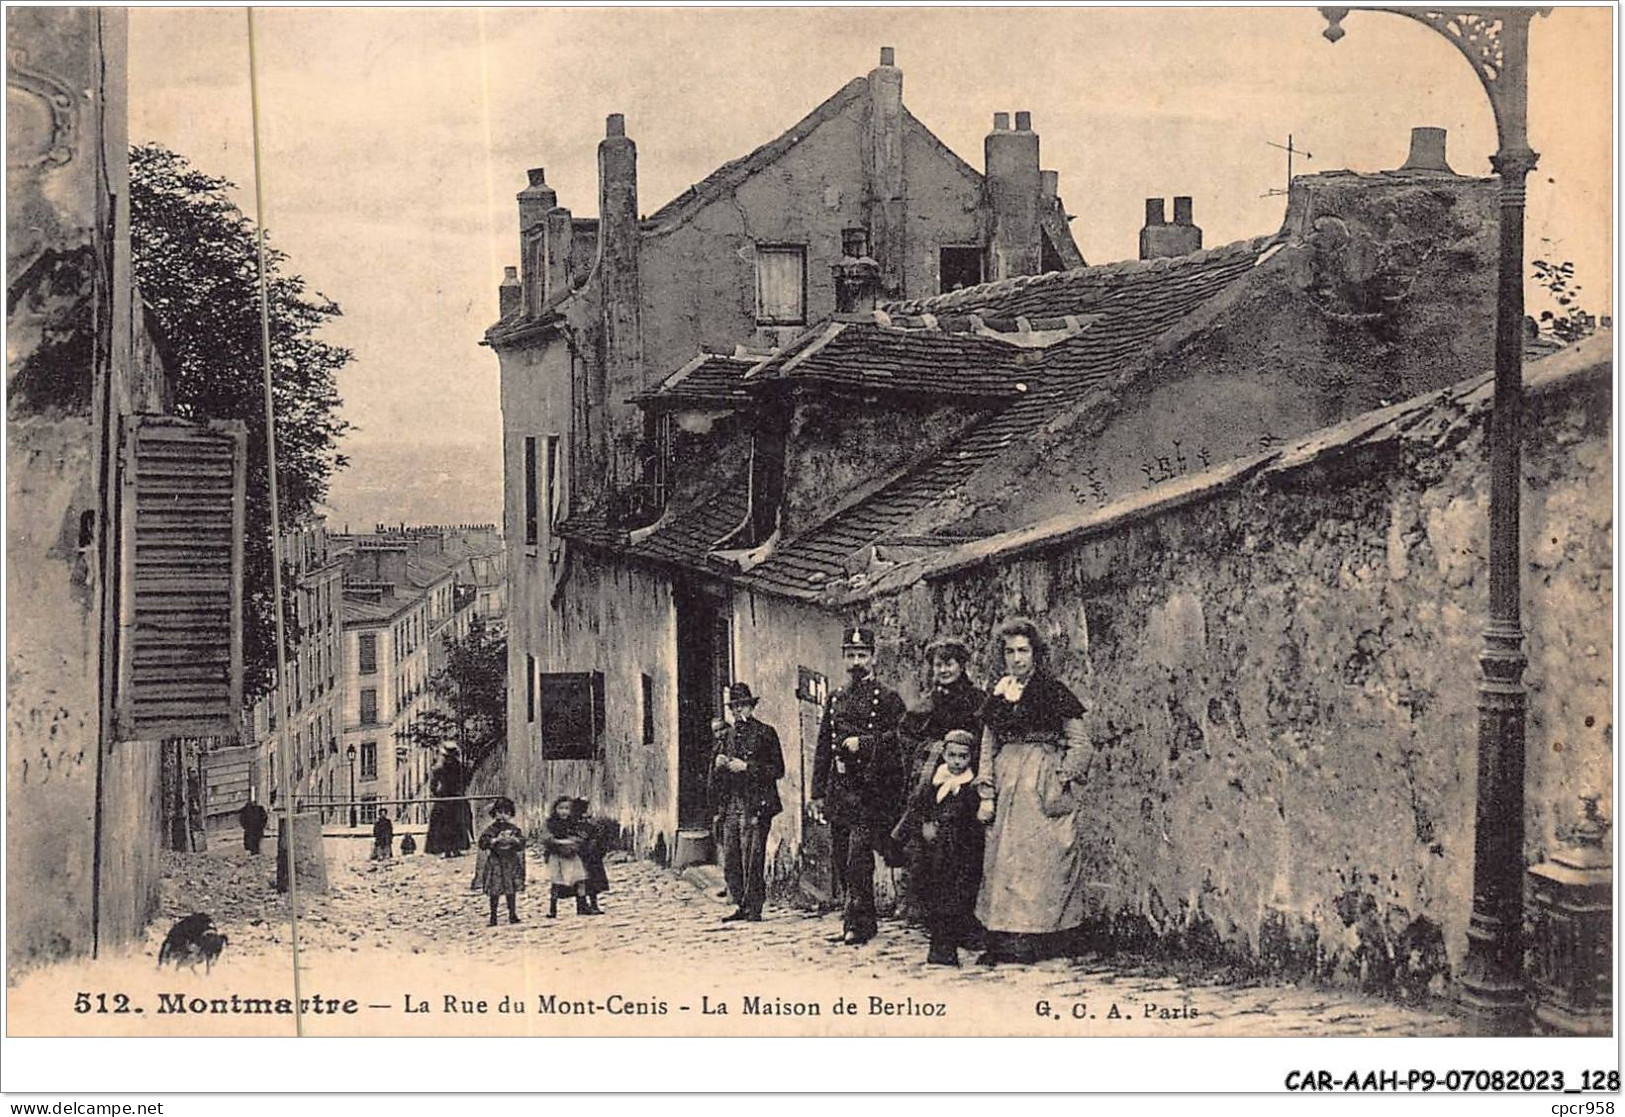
409 845
564 865
501 867
942 811
383 837
592 855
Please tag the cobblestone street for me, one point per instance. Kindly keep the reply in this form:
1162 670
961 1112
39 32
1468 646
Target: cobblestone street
387 926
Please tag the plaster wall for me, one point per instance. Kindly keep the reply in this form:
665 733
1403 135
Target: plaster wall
1282 687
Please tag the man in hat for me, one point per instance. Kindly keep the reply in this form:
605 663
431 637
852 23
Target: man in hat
858 779
745 776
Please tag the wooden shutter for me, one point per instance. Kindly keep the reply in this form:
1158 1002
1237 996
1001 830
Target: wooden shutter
181 661
572 713
781 285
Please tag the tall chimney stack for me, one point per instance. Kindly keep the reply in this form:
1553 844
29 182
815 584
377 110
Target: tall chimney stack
535 200
883 172
1013 183
1159 238
621 307
511 293
1427 151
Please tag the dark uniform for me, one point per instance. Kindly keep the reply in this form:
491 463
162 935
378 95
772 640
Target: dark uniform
862 791
747 803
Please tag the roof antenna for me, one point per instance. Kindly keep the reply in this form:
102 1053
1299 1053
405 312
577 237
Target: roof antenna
1290 152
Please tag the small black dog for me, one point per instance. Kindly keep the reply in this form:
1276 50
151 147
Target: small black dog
190 941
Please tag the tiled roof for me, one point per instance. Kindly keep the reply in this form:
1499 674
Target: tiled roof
932 361
727 177
1130 306
710 379
688 537
1054 294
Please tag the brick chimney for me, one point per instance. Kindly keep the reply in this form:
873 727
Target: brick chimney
1159 238
883 172
621 304
1013 185
535 200
511 294
857 284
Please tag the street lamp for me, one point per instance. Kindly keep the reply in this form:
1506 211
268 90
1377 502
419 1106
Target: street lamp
349 754
1495 41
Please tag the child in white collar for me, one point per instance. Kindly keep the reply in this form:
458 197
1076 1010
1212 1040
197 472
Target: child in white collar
942 810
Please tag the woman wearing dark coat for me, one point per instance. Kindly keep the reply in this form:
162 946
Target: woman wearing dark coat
952 702
451 824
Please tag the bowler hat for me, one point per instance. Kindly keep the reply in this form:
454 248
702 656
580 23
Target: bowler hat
858 639
739 694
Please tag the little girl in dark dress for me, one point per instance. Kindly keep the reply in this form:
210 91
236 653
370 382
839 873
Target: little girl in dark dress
565 869
942 811
501 868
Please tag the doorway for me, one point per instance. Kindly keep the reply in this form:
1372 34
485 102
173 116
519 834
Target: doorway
704 668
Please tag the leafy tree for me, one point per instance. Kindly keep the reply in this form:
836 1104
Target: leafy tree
196 263
473 691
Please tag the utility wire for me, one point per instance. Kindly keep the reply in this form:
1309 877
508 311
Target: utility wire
286 836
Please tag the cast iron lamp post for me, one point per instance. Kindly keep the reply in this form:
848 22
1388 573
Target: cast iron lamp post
1495 42
349 754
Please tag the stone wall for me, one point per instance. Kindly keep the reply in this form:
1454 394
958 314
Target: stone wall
1279 658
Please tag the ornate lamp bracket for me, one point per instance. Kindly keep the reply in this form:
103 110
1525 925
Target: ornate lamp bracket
1495 42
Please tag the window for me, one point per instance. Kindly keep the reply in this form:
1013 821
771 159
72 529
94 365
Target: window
530 688
369 706
854 242
554 489
961 267
368 653
531 532
572 710
648 710
781 285
369 760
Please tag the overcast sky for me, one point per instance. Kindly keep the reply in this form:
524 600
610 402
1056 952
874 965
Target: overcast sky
395 139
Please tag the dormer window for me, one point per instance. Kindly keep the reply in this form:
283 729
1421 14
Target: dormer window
781 285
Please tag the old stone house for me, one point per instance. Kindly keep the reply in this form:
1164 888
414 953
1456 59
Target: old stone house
124 524
602 311
903 433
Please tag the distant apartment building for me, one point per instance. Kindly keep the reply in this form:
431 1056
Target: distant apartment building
297 723
403 601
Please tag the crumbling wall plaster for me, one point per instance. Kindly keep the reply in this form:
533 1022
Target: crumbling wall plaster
1282 685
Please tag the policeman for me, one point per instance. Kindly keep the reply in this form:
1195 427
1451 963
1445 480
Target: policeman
858 779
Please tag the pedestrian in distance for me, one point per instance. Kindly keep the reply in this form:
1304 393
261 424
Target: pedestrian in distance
383 837
451 820
254 820
858 780
942 818
500 871
592 854
566 872
745 774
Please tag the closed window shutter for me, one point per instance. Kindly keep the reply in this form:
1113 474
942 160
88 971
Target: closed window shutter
181 665
780 274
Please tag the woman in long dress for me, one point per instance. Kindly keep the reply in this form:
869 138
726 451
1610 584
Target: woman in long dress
451 824
1034 758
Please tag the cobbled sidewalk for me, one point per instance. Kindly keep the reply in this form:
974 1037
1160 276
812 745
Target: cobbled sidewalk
655 921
